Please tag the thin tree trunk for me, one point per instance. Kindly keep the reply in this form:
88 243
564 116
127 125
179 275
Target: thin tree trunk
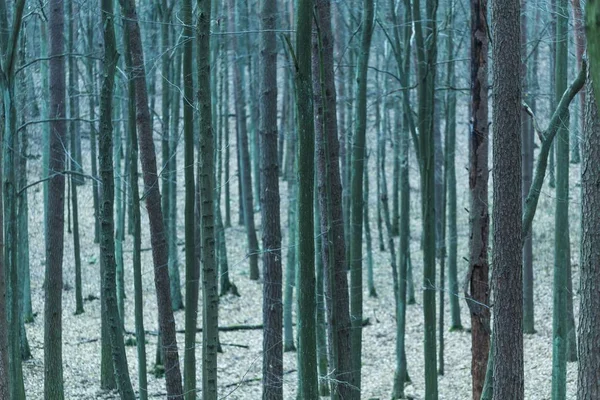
206 207
246 199
157 231
476 286
107 237
272 372
356 213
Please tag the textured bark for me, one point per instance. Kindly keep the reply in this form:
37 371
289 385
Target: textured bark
53 376
359 152
329 186
527 143
477 289
192 271
450 182
426 49
507 280
588 377
579 34
140 334
562 248
157 231
206 207
308 387
270 210
107 198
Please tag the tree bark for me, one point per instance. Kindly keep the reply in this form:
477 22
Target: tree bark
477 289
588 376
507 281
157 231
270 210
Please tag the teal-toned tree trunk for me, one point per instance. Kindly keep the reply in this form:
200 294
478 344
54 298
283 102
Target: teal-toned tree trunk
152 196
107 238
356 212
206 207
272 371
329 184
308 386
246 198
53 377
140 334
562 248
426 58
291 259
192 268
450 178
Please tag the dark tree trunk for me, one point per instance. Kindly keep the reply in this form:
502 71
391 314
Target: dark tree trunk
271 226
507 279
53 377
329 184
588 377
477 290
153 205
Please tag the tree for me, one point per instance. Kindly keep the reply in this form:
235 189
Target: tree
53 378
269 167
206 207
588 380
157 231
562 248
507 281
107 236
140 334
450 178
243 152
477 289
308 387
356 212
192 271
329 184
426 40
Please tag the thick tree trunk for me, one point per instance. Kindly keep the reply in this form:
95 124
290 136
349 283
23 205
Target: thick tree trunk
308 386
507 278
588 377
157 231
53 377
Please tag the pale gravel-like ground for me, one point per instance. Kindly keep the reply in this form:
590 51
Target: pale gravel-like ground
81 349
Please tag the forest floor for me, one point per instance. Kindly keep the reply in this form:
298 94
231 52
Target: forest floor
239 368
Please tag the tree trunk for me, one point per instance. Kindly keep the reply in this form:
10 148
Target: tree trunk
308 386
157 231
107 233
356 214
140 334
272 373
477 289
588 377
507 280
562 248
246 200
53 377
206 208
